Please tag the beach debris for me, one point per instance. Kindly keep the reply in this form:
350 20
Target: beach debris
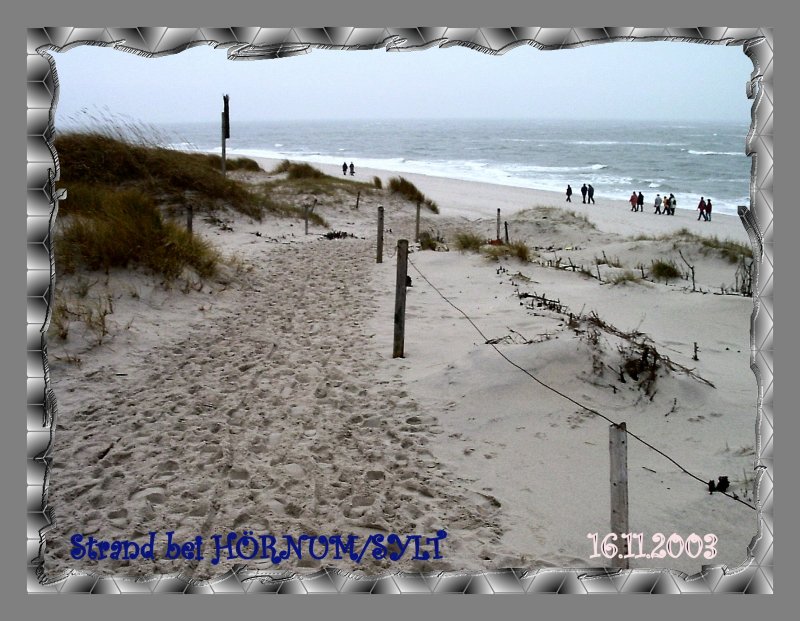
337 235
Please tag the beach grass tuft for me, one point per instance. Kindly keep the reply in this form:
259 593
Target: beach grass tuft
376 181
515 249
626 276
402 186
729 249
298 170
119 228
664 270
469 242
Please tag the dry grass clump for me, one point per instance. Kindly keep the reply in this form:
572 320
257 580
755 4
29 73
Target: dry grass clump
298 170
621 278
402 186
728 249
664 270
107 228
171 176
469 242
515 249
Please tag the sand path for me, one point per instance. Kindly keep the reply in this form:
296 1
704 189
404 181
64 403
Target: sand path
266 418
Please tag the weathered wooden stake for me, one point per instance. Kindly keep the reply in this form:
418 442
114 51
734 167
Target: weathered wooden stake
416 230
380 234
498 225
358 197
695 352
223 143
400 299
618 449
305 217
189 216
506 223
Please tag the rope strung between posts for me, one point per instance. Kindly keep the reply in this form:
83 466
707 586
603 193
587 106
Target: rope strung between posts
561 394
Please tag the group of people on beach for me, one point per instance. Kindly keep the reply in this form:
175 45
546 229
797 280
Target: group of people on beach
663 206
345 168
666 205
587 191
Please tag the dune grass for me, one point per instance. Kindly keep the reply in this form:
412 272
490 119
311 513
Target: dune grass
728 249
664 270
469 242
124 228
516 250
403 187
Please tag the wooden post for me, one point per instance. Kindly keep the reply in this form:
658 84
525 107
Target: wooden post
223 144
305 217
189 216
358 198
498 225
416 230
695 352
400 299
618 449
506 223
226 127
380 234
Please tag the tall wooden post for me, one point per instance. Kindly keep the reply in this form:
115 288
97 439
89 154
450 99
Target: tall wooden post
358 198
305 217
226 128
189 217
618 449
380 234
416 230
223 144
498 225
400 299
506 223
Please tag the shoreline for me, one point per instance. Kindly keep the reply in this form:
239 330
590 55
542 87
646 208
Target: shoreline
475 200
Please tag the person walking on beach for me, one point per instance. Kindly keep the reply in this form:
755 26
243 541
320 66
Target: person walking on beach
640 202
584 190
701 207
344 168
352 169
634 201
672 202
657 204
590 192
708 210
569 193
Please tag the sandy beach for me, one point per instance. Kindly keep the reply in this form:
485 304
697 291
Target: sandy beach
267 400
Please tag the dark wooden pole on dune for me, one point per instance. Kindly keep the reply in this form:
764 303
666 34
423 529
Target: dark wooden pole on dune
226 128
400 300
380 235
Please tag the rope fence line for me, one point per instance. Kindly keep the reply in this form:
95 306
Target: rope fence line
567 397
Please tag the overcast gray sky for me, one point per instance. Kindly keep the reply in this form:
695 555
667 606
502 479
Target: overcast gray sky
636 80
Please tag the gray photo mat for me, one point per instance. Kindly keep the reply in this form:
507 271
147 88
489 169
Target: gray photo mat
753 576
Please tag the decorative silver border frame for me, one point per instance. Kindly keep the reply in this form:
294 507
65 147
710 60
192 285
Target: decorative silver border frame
754 576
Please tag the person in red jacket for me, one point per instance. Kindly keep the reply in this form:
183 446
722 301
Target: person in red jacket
634 201
701 207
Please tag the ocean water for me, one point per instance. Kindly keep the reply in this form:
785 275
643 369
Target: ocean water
688 159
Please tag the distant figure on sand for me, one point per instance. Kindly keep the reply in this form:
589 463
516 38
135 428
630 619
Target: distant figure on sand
352 169
584 190
708 210
569 193
633 200
590 192
344 168
701 207
657 204
671 202
640 202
